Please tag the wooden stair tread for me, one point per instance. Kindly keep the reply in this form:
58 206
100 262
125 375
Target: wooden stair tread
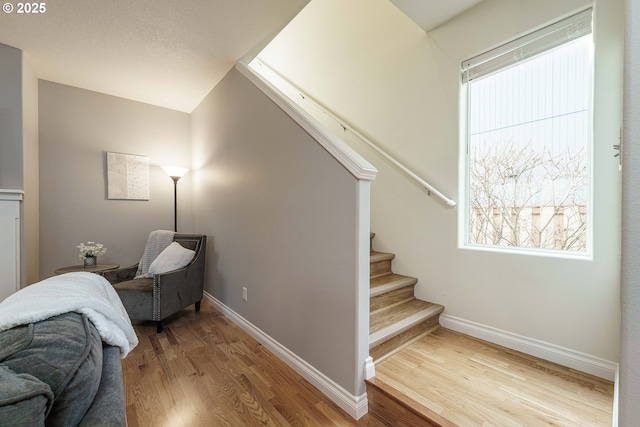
375 256
399 318
390 282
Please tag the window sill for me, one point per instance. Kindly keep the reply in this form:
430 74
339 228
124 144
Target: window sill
545 253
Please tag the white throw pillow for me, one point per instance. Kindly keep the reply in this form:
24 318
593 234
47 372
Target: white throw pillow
175 256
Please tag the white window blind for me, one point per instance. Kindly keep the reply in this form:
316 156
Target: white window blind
527 46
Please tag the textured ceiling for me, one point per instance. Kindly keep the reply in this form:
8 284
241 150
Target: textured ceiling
163 52
169 53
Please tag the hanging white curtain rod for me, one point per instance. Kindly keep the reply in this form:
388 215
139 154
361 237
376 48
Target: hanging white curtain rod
430 189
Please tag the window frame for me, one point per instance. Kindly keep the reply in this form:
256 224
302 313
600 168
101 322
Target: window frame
584 18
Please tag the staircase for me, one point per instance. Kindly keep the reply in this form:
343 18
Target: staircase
397 318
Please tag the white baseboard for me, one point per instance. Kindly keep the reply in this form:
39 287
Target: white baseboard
616 390
563 356
356 406
369 368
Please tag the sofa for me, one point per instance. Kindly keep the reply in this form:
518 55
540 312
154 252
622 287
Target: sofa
61 345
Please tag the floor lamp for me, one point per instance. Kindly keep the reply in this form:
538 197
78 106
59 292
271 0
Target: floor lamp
175 172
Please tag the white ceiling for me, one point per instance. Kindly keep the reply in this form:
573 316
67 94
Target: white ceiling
429 14
169 53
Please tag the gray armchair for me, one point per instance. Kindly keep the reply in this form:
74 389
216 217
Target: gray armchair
162 295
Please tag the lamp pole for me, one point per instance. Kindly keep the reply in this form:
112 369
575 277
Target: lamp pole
175 172
175 202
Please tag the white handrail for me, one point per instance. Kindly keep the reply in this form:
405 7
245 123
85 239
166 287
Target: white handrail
357 165
430 189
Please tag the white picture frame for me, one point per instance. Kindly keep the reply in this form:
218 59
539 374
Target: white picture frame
127 176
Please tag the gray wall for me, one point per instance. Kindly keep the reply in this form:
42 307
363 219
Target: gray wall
629 386
19 150
281 214
76 128
11 175
31 173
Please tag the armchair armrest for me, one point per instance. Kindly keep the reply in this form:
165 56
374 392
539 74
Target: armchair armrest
120 274
185 286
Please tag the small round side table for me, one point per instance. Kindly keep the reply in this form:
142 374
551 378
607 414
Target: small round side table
97 269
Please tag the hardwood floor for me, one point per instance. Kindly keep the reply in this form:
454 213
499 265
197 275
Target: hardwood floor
205 371
470 382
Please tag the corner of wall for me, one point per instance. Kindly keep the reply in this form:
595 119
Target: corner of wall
31 167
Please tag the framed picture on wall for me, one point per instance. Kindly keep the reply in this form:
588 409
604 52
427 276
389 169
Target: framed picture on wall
127 176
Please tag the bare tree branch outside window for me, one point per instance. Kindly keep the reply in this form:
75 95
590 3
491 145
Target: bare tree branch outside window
528 198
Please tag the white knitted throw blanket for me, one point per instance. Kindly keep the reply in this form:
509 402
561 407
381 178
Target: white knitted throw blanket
157 242
80 292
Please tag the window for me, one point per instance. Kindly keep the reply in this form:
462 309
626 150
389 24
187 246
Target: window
528 141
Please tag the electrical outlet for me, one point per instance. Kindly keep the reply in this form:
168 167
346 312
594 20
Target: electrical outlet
244 293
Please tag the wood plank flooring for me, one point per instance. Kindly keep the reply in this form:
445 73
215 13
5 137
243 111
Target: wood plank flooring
203 370
470 382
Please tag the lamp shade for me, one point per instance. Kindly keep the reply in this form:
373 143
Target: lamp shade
175 171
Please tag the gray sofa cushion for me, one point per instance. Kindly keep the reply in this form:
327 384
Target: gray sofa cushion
24 399
108 406
54 366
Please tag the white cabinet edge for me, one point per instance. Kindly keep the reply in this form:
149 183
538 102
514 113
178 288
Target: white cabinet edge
11 194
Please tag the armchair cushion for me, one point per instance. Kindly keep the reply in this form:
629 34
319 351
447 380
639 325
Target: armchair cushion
137 297
175 256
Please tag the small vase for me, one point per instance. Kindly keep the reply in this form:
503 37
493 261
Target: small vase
90 262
